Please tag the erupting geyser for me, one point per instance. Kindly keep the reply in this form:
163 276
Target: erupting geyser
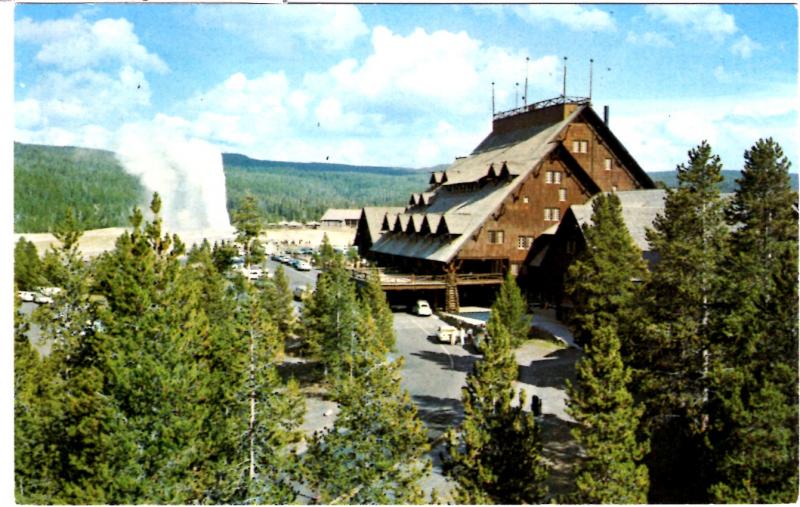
187 173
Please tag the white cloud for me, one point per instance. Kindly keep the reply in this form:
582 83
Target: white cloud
702 19
659 133
745 46
574 17
75 98
275 28
441 70
654 39
74 43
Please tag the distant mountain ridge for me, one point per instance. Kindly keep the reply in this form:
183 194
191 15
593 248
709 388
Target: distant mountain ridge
729 177
247 163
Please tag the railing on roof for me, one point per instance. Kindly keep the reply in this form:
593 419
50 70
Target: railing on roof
410 279
541 105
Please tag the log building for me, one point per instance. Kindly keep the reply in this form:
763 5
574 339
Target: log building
479 217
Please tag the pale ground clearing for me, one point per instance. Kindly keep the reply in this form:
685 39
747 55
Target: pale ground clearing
96 241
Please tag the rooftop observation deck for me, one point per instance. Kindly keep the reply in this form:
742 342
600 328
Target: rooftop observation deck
410 281
542 104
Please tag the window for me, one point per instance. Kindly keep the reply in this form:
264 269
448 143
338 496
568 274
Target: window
524 242
553 177
613 188
562 194
496 237
552 214
580 146
607 164
525 200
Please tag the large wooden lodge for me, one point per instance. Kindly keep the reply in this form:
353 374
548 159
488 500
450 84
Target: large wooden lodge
480 217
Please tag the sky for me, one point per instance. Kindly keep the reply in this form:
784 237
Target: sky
402 85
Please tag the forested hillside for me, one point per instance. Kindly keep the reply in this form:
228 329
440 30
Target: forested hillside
48 179
304 191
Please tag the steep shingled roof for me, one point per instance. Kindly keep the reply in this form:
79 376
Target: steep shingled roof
463 213
375 217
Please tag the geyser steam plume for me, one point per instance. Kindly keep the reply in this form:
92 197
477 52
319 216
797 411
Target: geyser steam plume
187 173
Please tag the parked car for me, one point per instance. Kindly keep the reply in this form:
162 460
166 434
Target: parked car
302 265
422 308
254 273
299 293
447 334
27 296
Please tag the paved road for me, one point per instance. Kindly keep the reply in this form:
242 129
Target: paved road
433 374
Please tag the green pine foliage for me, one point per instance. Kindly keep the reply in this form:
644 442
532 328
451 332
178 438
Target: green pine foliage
605 278
672 359
754 435
277 298
373 295
495 456
512 310
599 400
249 226
375 451
28 269
50 179
330 318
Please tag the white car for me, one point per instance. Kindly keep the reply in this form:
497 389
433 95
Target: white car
27 296
447 334
302 266
254 273
422 308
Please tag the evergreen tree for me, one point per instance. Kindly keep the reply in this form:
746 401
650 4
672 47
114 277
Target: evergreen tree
27 266
754 439
374 453
511 307
274 411
36 408
607 425
249 226
223 254
330 317
372 294
672 357
278 303
496 456
605 278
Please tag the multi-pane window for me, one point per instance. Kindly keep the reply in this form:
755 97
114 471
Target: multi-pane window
562 194
580 146
607 164
496 237
552 214
524 242
553 177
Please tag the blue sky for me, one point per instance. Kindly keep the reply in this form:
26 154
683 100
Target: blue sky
401 85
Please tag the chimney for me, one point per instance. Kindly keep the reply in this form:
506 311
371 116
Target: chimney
605 115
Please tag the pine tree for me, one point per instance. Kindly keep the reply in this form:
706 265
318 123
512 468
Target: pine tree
607 420
496 456
374 453
273 411
372 294
511 307
249 226
27 266
605 278
754 437
36 407
278 303
330 317
672 357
